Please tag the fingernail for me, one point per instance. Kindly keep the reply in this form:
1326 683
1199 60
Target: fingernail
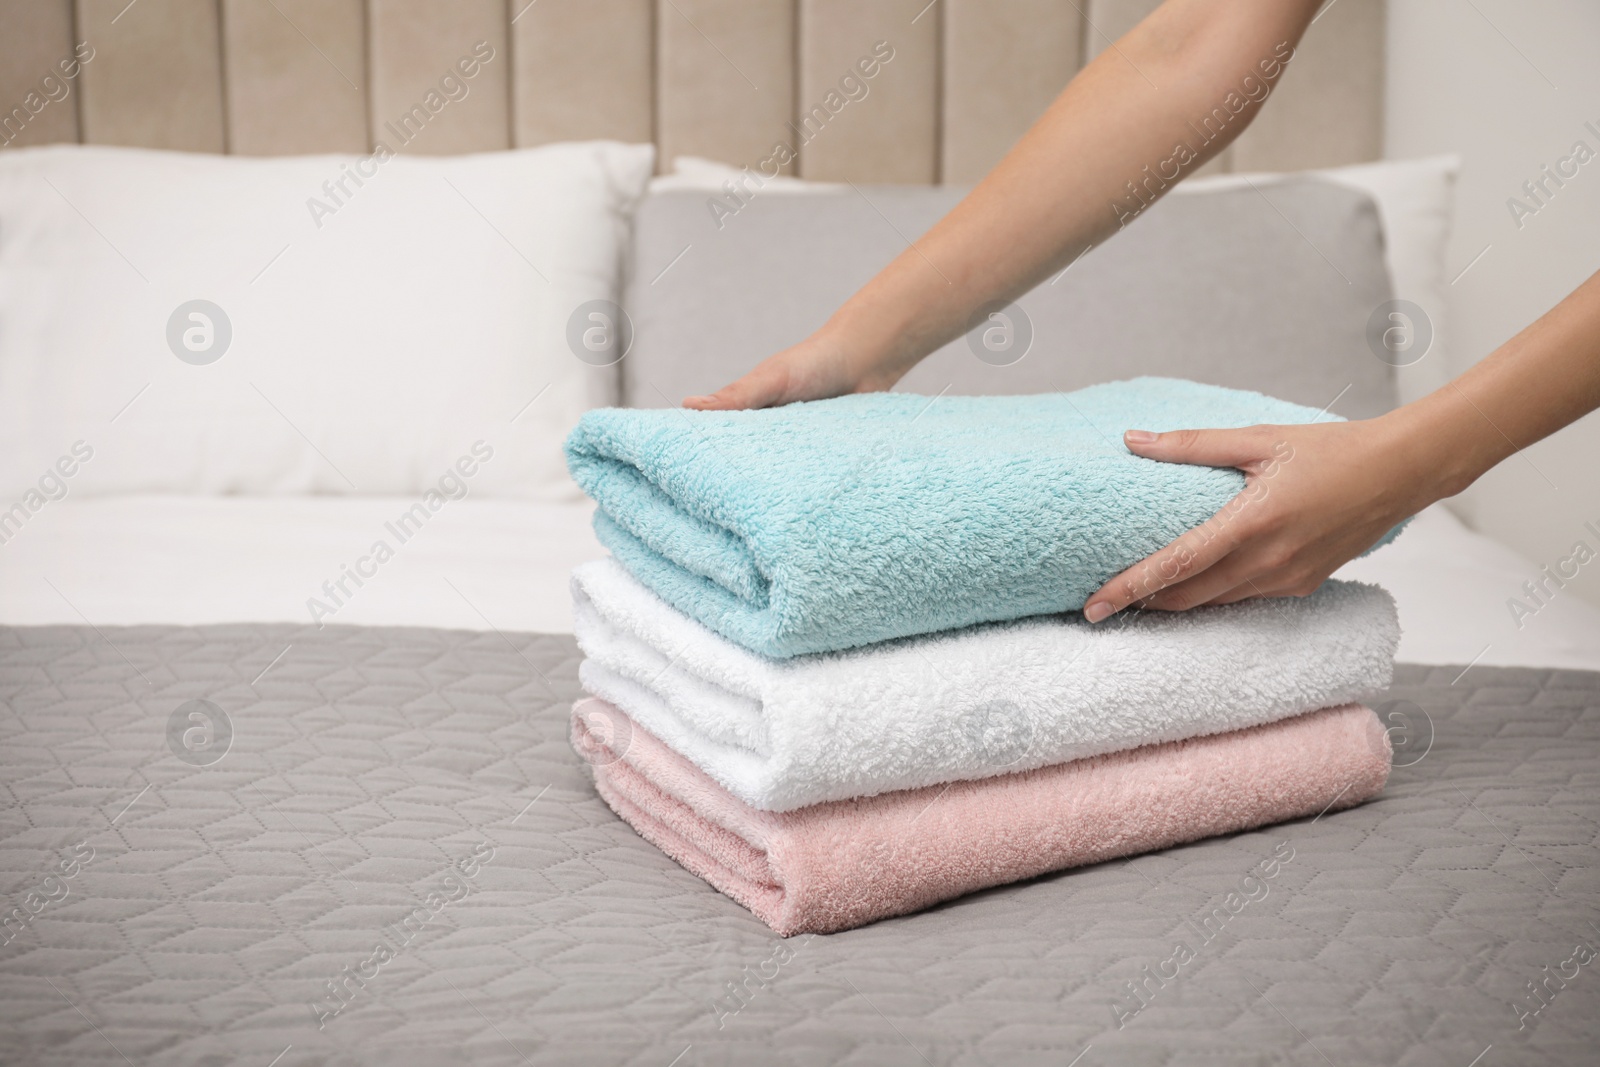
1140 437
695 401
1096 612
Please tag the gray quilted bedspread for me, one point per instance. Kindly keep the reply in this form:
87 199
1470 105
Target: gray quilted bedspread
274 846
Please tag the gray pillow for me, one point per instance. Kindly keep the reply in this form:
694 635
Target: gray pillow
1226 287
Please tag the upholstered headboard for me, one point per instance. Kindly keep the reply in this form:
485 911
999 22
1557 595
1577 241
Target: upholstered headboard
954 84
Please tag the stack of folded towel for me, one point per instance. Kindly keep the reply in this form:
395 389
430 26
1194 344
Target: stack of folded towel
837 672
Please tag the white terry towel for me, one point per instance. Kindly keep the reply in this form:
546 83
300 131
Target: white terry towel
972 703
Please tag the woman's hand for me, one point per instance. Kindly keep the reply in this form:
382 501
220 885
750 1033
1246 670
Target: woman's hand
814 369
1315 497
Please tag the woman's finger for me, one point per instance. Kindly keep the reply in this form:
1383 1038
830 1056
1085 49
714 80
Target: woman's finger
1239 592
1252 449
1245 448
815 368
763 387
1231 576
1180 561
1271 584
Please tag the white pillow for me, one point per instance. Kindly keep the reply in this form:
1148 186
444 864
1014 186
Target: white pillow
387 314
697 172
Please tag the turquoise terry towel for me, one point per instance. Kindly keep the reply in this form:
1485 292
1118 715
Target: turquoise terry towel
836 523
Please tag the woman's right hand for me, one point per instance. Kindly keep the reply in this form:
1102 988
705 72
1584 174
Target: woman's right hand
814 369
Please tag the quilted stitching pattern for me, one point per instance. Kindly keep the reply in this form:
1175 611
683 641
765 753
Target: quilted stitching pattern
368 764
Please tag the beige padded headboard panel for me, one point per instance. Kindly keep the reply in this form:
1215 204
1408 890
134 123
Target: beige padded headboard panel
954 81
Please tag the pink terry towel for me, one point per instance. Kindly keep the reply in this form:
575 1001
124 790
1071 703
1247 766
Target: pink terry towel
845 863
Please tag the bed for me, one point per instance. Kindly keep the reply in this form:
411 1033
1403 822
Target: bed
213 906
260 811
228 889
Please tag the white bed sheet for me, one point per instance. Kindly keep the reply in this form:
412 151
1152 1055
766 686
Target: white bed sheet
475 565
498 564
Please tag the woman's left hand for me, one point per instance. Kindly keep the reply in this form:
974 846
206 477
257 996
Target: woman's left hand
1315 497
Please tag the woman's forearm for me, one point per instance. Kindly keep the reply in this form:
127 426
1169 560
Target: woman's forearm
1539 381
1146 113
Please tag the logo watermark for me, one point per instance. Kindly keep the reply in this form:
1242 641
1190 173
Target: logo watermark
1399 332
1539 592
743 989
609 733
1000 732
1541 189
1409 730
851 89
1000 334
199 733
52 890
1251 889
599 333
52 485
50 89
1171 567
393 939
452 485
1146 189
1543 990
199 332
453 86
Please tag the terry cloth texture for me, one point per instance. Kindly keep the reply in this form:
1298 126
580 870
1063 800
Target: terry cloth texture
843 522
973 703
835 866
